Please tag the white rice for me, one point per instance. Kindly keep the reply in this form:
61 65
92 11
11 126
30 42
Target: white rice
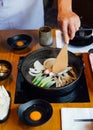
4 102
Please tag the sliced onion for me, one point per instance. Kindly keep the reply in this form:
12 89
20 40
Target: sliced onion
38 65
33 70
32 74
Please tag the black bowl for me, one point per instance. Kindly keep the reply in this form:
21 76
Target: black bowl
39 106
5 69
83 37
20 41
84 34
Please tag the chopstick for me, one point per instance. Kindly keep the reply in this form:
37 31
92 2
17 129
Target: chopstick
83 120
86 29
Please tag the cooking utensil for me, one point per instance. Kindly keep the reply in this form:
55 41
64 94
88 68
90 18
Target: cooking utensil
61 61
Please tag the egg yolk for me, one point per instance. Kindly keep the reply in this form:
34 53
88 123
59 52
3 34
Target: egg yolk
20 43
35 115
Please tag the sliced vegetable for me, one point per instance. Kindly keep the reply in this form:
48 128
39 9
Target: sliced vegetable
32 74
36 78
45 78
49 84
34 70
45 81
38 65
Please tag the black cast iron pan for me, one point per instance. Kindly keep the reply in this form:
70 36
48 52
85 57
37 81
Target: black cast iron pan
43 54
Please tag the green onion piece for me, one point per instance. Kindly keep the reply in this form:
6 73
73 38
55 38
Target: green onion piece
45 81
48 85
37 76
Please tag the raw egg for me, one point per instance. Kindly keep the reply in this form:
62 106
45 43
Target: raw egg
20 43
35 115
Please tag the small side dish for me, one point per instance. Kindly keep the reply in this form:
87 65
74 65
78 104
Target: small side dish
5 69
83 37
20 41
35 112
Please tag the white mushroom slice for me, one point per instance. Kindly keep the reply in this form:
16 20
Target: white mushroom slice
35 71
38 65
32 74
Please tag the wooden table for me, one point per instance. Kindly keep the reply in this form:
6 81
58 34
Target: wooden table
6 53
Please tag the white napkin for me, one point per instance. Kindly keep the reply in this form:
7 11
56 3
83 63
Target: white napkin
74 49
68 116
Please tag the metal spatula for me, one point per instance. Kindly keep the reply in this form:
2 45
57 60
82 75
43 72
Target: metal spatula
61 61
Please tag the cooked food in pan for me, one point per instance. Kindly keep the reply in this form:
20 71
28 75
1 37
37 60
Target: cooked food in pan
44 77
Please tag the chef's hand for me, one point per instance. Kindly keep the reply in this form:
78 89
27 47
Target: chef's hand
69 23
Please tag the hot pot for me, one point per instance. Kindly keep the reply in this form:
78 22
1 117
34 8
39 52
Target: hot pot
43 54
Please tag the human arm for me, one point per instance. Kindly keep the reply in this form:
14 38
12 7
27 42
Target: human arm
68 21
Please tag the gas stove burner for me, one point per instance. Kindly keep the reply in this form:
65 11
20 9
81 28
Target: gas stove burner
24 92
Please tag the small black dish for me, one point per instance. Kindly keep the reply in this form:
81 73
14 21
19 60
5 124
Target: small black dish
83 37
20 41
5 69
35 112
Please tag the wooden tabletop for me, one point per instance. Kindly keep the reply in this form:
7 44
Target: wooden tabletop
6 53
